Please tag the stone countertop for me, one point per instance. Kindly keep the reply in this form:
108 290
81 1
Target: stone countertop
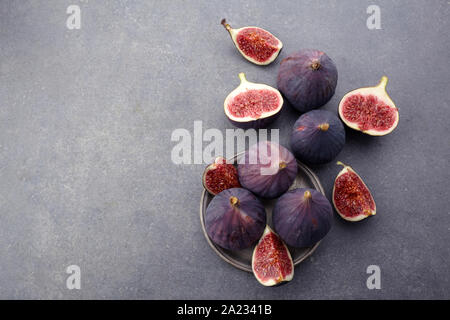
87 116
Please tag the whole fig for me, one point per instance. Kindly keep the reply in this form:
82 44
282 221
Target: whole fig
235 219
302 217
308 79
267 169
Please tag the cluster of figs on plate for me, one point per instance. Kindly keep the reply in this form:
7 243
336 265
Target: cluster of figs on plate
236 218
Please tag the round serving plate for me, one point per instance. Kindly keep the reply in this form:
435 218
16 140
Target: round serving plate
242 259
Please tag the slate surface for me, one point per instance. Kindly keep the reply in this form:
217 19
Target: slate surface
86 118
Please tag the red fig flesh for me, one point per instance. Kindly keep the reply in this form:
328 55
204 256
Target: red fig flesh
271 260
255 44
351 197
252 105
369 110
220 176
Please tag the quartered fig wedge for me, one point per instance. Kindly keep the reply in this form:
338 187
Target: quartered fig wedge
369 110
255 44
271 261
252 105
351 197
220 176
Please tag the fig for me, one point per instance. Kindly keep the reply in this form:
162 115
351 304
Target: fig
267 169
271 261
369 110
302 217
351 197
219 176
317 137
252 105
307 79
235 219
255 44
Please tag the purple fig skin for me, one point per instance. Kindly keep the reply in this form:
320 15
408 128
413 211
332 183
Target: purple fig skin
317 137
302 217
257 123
308 79
235 219
267 185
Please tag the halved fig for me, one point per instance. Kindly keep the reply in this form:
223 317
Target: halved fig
351 197
271 261
255 44
252 105
220 176
369 110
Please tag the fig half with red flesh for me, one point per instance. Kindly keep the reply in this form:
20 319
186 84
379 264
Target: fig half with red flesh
255 44
351 197
252 105
271 261
369 110
220 176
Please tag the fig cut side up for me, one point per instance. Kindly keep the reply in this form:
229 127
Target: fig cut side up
351 197
271 261
252 105
220 176
255 44
370 110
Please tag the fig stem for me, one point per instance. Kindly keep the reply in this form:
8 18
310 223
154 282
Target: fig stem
242 77
234 201
383 82
220 160
225 24
324 126
315 65
341 164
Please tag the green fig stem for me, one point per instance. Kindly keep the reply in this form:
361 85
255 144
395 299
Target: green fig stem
234 201
324 126
226 25
307 194
383 82
242 77
341 164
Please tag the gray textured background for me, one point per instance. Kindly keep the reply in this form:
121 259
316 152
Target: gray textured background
86 118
